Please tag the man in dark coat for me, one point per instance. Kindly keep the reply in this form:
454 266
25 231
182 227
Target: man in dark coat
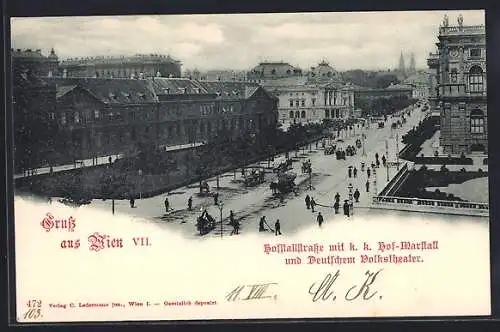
336 206
167 204
308 201
319 219
349 172
190 203
355 172
313 204
367 186
346 208
356 195
368 172
216 199
277 227
337 197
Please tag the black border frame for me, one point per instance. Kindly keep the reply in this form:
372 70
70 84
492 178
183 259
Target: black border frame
33 8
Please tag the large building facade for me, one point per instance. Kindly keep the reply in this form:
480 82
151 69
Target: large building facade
461 87
109 116
137 66
314 103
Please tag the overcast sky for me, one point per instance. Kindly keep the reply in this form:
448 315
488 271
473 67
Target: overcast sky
370 40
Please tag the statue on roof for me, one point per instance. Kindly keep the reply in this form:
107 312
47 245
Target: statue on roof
460 20
445 20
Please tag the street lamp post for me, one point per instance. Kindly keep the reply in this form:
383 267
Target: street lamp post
351 204
386 158
397 151
310 177
140 183
221 206
364 140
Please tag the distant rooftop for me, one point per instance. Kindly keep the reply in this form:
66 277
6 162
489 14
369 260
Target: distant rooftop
119 59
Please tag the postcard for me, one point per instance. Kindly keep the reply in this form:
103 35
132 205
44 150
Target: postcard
250 166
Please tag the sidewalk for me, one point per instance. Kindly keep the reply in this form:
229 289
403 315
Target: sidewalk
98 161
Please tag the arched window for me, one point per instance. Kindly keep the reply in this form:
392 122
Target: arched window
476 79
477 121
329 74
303 114
288 72
327 113
273 72
297 114
291 114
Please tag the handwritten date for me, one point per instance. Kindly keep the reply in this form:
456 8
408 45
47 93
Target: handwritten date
251 292
324 290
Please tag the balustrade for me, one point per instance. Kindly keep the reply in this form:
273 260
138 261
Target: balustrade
430 203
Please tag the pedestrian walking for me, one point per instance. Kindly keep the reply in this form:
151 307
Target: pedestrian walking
355 172
190 203
378 163
308 201
277 227
367 186
346 208
368 172
337 197
216 199
262 224
313 204
336 207
349 171
356 195
110 159
236 228
231 217
167 204
384 160
132 202
319 219
376 156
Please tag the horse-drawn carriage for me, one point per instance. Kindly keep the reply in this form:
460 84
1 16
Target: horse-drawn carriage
340 154
254 178
358 143
330 149
283 166
284 183
75 201
205 223
350 150
204 189
381 125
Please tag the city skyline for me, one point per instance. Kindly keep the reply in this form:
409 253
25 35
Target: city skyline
361 40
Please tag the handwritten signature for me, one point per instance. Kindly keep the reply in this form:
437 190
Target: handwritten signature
252 292
324 289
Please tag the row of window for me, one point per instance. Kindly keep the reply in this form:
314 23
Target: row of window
190 130
475 79
75 117
302 93
329 113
